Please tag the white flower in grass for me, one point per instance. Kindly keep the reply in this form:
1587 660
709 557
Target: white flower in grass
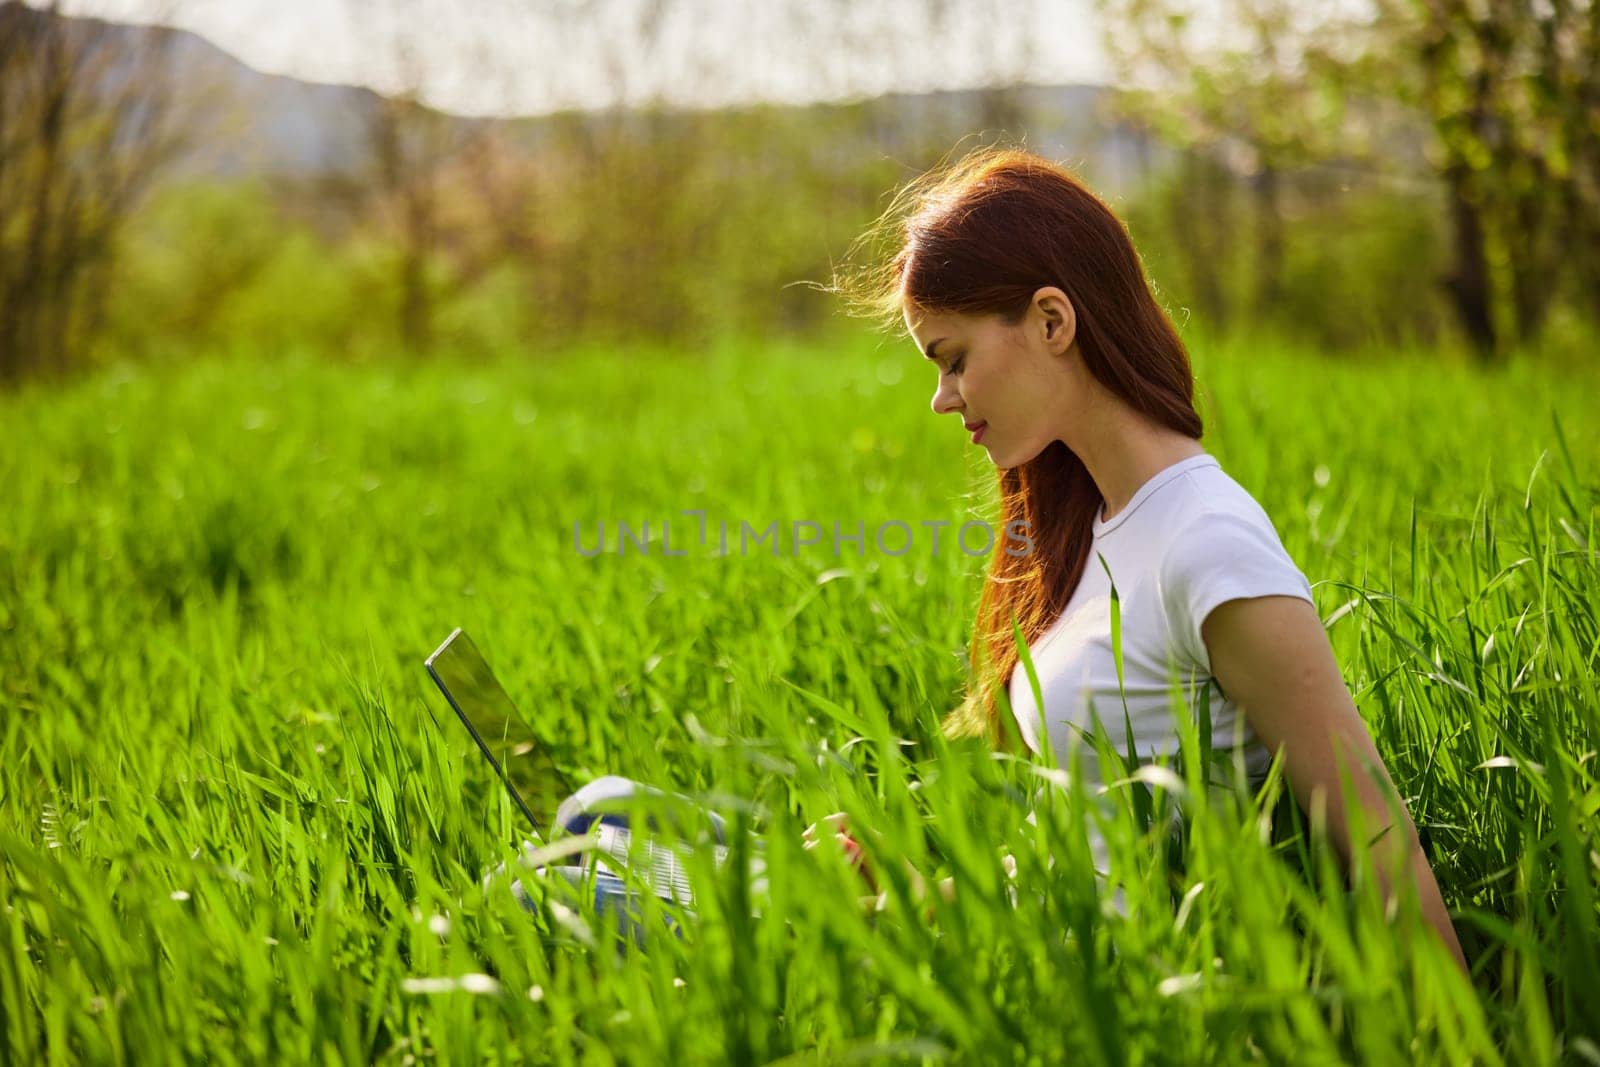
1178 984
536 993
180 894
467 983
479 983
439 924
428 985
572 922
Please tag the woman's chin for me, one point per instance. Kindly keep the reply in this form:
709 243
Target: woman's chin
1007 460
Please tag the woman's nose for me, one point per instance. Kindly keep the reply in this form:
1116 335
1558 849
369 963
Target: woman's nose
944 399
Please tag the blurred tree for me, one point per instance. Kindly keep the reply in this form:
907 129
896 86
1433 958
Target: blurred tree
89 118
1004 53
1512 90
1252 88
430 254
674 223
1509 90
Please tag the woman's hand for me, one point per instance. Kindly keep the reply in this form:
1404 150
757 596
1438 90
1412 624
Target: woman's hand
877 898
853 852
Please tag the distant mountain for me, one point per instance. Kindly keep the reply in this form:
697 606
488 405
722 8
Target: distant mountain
267 124
245 121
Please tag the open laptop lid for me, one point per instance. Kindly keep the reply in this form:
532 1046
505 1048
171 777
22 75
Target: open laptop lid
501 733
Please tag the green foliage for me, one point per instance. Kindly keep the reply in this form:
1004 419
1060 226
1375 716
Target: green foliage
209 265
652 228
1358 265
214 266
234 810
1492 104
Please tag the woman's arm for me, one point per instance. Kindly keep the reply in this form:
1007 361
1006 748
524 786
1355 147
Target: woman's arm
1272 657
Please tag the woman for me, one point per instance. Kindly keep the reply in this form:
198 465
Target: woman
1025 292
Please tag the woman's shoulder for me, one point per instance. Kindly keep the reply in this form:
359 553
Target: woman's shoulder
1224 547
1216 521
1208 496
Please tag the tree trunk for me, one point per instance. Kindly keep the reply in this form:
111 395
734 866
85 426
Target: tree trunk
416 300
1468 284
1534 271
1269 239
1198 214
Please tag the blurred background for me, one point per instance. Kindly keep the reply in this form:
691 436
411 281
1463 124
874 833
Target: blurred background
369 178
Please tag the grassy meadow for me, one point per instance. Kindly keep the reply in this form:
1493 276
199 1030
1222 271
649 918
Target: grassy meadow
237 824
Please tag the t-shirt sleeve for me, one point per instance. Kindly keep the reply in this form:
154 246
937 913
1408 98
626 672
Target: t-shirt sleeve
1217 558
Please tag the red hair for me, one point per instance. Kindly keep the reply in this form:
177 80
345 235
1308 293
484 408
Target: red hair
981 237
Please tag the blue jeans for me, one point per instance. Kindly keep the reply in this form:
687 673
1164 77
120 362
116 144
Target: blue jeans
613 900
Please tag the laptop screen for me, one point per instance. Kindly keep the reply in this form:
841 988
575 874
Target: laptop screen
503 735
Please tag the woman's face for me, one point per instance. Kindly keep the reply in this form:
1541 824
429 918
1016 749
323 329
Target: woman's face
1019 386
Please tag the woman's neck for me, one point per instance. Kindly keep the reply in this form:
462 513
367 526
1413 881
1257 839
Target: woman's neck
1124 461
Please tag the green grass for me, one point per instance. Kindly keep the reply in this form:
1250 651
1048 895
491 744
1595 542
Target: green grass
231 803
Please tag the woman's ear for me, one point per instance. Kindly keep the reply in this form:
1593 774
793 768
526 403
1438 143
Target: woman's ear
1059 318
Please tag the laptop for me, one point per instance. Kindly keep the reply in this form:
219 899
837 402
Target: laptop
538 785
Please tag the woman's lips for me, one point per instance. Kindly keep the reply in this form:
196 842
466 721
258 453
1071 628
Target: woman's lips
977 434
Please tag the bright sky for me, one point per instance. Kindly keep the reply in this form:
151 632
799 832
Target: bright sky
510 57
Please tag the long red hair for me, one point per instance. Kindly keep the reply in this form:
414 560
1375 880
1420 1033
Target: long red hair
980 237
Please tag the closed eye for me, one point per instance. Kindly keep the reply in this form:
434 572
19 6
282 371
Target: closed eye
955 367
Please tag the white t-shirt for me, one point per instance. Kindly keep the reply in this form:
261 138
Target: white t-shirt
1190 539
